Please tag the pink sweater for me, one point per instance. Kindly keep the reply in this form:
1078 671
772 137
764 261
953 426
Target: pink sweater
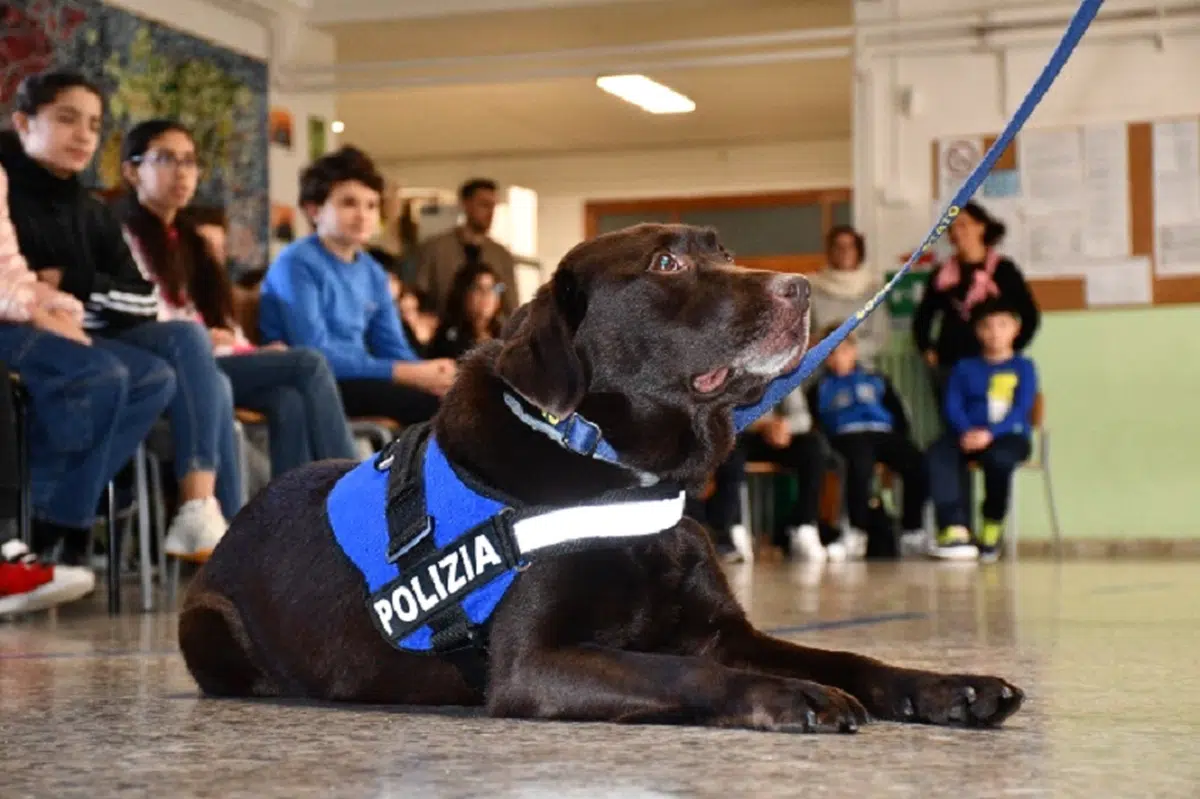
20 291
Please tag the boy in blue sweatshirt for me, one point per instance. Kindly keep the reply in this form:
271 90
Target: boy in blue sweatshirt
861 415
989 409
325 291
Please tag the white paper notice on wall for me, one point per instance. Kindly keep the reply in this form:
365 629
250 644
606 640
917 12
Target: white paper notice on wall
1052 167
1178 248
1105 191
957 156
1177 172
1054 241
1126 281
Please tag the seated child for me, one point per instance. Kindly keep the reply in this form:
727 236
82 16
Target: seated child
786 437
989 408
864 420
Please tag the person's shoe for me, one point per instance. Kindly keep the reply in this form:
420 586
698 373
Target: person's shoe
27 584
196 529
990 537
914 543
742 543
851 546
954 543
806 544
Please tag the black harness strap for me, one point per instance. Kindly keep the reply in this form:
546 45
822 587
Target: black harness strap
410 540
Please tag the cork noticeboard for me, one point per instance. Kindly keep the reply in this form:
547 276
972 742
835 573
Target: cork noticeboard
1169 281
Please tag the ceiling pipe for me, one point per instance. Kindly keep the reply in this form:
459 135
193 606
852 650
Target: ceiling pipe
990 42
800 36
517 76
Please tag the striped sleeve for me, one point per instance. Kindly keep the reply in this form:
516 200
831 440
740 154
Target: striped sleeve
122 294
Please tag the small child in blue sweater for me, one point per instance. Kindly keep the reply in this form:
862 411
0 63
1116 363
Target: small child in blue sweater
989 411
861 415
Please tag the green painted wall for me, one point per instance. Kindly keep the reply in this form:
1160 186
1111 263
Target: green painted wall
1122 393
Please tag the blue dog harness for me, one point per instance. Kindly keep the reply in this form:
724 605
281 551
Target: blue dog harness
438 552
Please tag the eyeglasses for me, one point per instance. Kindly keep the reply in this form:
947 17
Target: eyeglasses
168 160
496 289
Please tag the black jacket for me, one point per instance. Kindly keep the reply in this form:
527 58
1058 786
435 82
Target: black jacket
61 225
956 337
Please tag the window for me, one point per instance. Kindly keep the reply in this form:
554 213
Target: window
784 232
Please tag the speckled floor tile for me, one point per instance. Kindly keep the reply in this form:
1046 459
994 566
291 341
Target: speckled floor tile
1107 652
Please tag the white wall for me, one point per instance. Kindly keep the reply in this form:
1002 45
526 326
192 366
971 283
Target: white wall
566 183
210 21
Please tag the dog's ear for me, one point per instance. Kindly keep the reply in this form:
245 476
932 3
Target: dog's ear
538 359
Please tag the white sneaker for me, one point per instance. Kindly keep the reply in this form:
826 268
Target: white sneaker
914 543
26 584
196 529
806 544
742 542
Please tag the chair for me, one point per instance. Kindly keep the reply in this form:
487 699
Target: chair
758 492
379 431
1039 459
25 502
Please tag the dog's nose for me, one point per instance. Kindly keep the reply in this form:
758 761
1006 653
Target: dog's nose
793 288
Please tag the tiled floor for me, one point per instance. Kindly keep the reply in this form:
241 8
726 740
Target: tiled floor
1109 654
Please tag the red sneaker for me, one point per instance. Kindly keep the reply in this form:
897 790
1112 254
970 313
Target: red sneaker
26 584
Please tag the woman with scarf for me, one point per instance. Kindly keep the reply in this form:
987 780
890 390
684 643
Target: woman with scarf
843 286
976 272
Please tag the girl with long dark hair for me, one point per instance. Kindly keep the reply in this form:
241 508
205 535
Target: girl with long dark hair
293 388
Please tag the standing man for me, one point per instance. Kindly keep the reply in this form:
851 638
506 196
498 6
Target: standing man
445 254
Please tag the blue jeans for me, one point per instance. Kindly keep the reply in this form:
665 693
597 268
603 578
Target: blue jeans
90 407
201 413
947 465
296 391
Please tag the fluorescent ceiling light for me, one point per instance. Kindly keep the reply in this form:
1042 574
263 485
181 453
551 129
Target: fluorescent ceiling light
337 126
646 94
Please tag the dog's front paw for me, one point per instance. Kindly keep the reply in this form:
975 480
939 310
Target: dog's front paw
961 700
780 705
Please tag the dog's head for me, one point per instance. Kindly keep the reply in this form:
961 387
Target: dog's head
655 334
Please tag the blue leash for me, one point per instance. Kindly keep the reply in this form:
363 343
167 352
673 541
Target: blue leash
746 415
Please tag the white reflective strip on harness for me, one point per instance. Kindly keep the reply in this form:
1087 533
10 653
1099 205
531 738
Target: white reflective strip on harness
617 520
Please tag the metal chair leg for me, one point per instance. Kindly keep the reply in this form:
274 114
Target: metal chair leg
1055 530
159 505
114 550
24 499
143 519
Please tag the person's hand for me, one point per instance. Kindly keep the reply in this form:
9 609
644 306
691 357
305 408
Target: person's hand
975 440
777 433
51 277
222 337
60 323
434 376
931 358
276 345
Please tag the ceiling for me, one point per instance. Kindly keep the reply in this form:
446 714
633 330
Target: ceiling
470 83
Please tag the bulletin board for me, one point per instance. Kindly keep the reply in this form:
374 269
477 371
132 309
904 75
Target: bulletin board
1098 216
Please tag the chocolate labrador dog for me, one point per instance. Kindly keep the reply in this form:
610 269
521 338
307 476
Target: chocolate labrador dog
655 335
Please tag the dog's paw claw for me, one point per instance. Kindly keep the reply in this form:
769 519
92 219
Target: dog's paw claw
1006 693
969 694
907 710
810 721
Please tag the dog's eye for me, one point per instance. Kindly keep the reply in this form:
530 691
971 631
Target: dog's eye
666 262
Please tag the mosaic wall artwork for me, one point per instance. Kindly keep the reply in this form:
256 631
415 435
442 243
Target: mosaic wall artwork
151 70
